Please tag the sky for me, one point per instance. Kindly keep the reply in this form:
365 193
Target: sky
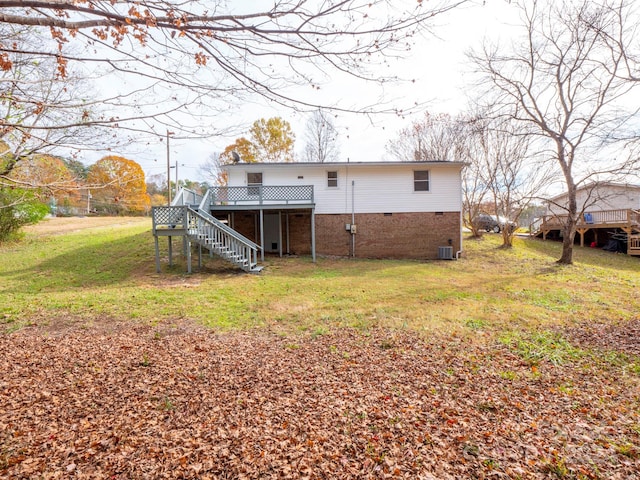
437 63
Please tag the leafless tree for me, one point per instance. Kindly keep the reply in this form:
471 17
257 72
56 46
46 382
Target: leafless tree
439 137
442 137
564 81
509 169
212 170
38 105
321 137
180 65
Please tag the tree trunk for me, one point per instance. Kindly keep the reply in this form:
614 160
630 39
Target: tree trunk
507 237
569 233
569 228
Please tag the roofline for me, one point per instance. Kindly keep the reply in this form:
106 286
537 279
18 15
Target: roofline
595 185
342 164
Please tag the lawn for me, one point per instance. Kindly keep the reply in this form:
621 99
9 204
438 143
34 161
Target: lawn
89 274
501 364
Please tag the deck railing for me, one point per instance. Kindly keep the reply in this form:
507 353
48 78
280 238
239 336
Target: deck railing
169 218
633 245
596 218
186 197
260 195
207 230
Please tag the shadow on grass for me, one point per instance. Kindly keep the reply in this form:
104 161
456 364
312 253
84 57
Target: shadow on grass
594 257
102 262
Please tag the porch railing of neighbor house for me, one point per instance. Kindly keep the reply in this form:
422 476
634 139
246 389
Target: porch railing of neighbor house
633 247
603 218
260 195
627 220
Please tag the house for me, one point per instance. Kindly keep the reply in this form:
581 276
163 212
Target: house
599 196
363 209
608 211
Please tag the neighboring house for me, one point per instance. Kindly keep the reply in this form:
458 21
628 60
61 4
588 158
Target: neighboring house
599 197
609 212
367 210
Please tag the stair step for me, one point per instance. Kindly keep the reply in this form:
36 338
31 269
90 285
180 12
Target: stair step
225 248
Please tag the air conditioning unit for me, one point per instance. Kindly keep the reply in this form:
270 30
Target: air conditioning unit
445 253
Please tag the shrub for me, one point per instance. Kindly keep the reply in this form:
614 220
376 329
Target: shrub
18 207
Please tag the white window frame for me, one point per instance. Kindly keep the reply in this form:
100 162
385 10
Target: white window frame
252 187
421 181
332 179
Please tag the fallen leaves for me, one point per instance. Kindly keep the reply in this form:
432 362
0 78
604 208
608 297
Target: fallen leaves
160 402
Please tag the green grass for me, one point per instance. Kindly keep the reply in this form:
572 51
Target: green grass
101 273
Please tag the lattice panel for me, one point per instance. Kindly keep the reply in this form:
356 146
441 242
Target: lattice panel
258 194
169 215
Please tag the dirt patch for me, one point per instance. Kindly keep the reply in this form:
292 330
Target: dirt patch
178 401
60 225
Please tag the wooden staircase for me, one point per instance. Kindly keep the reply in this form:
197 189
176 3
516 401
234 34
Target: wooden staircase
222 240
199 227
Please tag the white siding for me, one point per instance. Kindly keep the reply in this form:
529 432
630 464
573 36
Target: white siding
602 197
376 188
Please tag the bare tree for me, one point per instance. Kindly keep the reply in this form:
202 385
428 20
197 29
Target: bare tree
37 104
438 137
446 138
203 57
212 169
564 82
321 138
509 170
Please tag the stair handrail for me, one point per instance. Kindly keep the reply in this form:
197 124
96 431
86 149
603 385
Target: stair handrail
225 228
205 202
181 194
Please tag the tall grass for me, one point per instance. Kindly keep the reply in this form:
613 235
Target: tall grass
109 273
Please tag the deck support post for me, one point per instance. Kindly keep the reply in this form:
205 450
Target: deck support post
157 254
287 224
313 235
199 256
187 242
582 231
262 234
280 232
170 251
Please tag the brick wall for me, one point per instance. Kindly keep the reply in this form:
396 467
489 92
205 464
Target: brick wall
245 224
299 233
399 235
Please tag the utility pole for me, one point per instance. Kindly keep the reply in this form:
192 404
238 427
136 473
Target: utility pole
169 170
176 177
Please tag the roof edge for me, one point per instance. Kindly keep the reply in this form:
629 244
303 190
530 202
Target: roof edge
344 164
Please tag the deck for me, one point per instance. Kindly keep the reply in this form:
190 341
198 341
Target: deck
260 196
626 220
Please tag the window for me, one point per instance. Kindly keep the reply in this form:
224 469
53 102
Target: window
332 179
421 181
254 182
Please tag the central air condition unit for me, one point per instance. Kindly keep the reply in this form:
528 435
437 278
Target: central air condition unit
445 253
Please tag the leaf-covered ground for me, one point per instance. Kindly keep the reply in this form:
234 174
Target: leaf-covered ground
131 402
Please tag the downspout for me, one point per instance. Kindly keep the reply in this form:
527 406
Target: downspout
461 217
353 219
